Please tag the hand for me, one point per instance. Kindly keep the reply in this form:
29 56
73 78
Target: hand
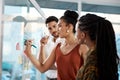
44 40
27 50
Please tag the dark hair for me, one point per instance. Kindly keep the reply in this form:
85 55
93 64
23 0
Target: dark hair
50 19
101 31
70 17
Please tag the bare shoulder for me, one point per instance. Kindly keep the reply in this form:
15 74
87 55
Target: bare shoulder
83 49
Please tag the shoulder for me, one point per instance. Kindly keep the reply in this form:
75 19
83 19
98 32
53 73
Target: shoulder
91 69
92 58
83 49
91 72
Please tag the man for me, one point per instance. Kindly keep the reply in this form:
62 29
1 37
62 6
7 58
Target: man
51 23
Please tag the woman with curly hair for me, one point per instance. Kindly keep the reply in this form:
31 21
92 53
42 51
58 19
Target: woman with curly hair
102 61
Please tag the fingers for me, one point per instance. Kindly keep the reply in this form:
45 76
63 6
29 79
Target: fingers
28 42
44 40
27 50
47 37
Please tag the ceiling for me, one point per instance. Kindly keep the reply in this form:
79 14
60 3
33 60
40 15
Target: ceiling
104 6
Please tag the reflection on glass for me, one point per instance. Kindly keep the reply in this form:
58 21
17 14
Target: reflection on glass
15 65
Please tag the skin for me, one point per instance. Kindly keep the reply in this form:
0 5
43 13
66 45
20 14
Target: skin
52 27
85 37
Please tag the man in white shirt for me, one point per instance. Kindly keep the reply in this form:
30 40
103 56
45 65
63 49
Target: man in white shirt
51 23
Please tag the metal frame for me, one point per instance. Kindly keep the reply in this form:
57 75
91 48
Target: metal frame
1 36
37 6
103 6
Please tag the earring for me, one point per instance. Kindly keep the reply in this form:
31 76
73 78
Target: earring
85 41
79 40
67 31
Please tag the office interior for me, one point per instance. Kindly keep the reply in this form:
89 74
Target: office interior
21 20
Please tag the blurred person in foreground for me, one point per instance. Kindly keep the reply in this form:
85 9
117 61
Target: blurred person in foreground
102 61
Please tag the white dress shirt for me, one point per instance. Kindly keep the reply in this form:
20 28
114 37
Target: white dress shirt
49 47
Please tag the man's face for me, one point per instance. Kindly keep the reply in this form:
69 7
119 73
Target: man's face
52 27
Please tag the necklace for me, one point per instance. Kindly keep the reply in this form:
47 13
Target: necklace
66 48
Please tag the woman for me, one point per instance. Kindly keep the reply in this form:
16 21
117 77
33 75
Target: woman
67 55
102 60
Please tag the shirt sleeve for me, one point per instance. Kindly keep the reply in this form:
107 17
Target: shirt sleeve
90 73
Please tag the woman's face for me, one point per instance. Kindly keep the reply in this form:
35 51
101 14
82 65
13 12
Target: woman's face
62 28
80 35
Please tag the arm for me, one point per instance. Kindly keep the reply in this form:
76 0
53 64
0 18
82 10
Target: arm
89 73
42 54
42 67
42 57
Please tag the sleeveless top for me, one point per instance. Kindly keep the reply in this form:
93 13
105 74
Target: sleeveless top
69 64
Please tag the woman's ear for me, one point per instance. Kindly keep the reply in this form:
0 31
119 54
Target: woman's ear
70 27
82 35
